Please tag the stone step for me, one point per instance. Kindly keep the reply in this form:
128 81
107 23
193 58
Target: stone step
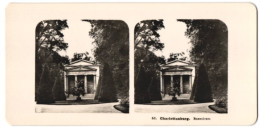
182 96
85 97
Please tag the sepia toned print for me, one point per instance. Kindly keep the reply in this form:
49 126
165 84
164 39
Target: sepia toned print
80 72
188 77
108 73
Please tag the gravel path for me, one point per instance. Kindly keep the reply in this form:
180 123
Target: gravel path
184 108
90 108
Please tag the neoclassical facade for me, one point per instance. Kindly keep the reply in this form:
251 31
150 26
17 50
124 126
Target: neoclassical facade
81 71
178 74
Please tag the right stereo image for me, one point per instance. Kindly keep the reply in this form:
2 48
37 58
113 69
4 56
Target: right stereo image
181 66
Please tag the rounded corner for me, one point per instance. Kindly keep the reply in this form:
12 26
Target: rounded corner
223 23
253 6
125 24
7 120
253 121
8 6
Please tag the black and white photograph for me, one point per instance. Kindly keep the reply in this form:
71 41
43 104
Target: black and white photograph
181 66
82 66
145 64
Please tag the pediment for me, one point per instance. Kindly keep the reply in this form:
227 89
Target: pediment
80 68
81 62
177 68
176 63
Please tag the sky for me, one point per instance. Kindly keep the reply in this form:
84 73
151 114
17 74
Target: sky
174 39
78 39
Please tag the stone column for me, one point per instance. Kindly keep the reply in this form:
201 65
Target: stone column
181 84
65 82
85 84
190 81
163 85
172 81
94 80
76 79
161 82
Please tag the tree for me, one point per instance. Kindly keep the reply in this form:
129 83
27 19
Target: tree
111 40
177 56
202 88
45 90
49 41
81 56
58 88
108 92
147 36
209 46
147 69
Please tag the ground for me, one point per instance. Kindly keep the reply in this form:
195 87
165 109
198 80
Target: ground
89 108
184 105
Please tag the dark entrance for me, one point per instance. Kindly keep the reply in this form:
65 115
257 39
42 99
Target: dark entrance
186 84
90 84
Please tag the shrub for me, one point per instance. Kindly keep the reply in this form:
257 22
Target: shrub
125 102
108 90
221 102
44 95
142 94
202 89
58 89
173 91
77 91
155 93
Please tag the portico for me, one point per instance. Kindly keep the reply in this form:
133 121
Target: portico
178 74
83 72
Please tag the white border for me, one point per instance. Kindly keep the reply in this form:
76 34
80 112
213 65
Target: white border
4 3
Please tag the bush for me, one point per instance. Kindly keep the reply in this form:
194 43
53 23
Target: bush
125 102
221 102
77 91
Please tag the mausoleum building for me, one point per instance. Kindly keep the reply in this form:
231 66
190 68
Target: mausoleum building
82 71
178 74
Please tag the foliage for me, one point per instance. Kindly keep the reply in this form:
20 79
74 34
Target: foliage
147 78
147 36
202 88
177 56
142 91
155 91
108 92
111 40
48 34
209 46
49 41
58 88
125 102
81 56
44 95
147 64
173 91
221 102
77 91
